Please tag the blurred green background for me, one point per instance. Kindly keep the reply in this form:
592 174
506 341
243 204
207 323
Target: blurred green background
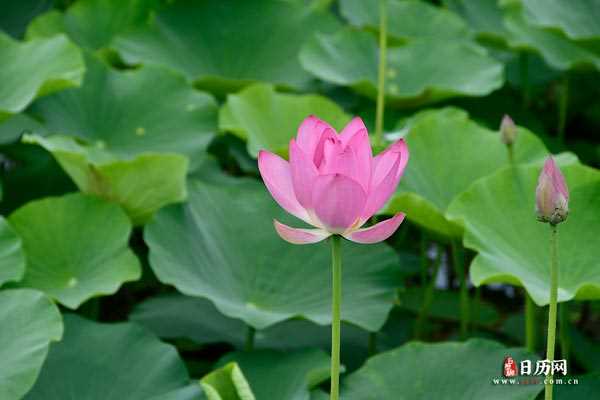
137 256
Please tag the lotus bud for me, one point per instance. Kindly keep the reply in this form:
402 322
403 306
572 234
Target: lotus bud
508 130
551 194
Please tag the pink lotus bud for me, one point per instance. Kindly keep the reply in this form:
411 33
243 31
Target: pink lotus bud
551 194
508 130
333 182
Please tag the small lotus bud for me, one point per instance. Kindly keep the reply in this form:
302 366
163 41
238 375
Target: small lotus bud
551 194
508 130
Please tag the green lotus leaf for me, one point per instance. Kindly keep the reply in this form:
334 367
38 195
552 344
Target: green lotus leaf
513 327
16 125
138 126
448 152
421 71
197 38
110 362
584 349
233 153
579 21
588 387
555 47
282 375
132 112
268 120
47 25
32 173
406 19
227 383
75 246
191 392
513 246
256 276
319 394
176 316
30 321
141 185
445 305
12 259
29 172
93 23
438 371
485 17
36 68
16 15
423 212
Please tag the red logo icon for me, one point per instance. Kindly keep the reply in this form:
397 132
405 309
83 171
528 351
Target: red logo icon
509 368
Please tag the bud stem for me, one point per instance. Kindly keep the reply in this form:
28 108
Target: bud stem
459 267
428 296
381 73
563 103
476 306
524 74
511 155
530 306
372 344
250 333
424 259
336 299
530 323
552 305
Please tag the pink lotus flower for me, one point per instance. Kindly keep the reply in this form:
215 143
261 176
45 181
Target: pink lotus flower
551 194
334 183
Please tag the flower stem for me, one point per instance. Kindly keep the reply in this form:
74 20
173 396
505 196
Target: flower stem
458 255
381 73
250 333
336 299
424 259
511 155
552 305
428 296
563 103
476 306
530 323
530 306
372 345
524 73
